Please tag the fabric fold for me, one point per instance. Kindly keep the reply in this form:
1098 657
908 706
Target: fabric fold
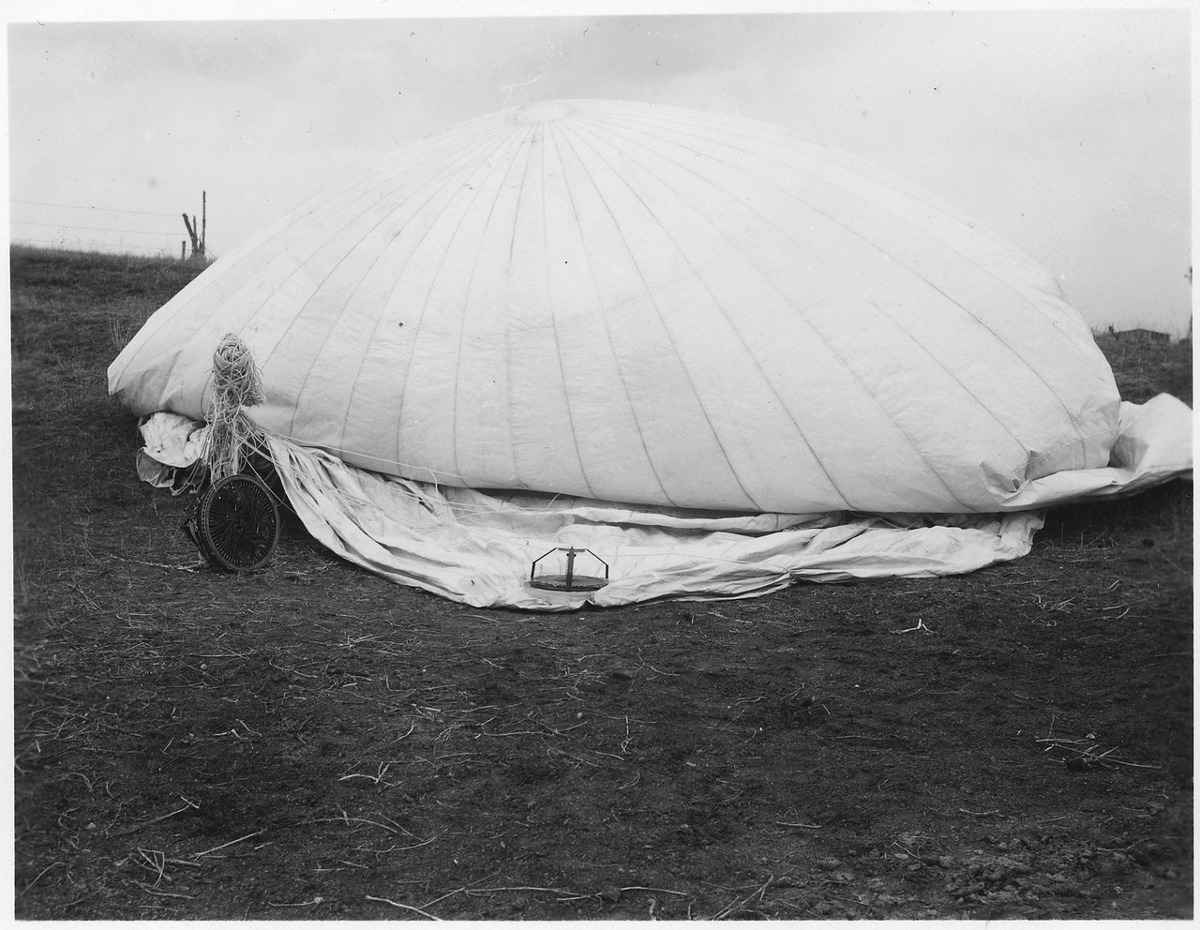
477 547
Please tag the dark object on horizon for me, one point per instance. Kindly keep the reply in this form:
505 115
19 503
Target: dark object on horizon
1139 335
198 232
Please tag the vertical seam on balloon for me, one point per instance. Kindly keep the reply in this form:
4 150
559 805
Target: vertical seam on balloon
521 143
307 207
835 158
887 315
903 432
822 336
1038 311
645 284
608 336
451 175
729 320
322 201
324 243
1050 389
388 298
679 123
438 179
445 175
467 303
554 316
185 304
508 368
837 355
779 136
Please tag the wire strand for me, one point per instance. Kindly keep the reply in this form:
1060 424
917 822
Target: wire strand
90 206
136 232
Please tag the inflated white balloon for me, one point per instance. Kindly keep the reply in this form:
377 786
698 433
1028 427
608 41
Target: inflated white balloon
640 303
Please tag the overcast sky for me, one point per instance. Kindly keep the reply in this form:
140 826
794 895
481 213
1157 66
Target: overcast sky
1066 132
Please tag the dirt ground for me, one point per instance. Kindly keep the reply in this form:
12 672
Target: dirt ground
311 742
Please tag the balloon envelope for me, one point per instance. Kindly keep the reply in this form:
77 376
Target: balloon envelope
639 303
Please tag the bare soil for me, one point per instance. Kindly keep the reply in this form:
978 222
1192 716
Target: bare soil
313 742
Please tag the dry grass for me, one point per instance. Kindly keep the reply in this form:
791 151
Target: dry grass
312 742
1144 369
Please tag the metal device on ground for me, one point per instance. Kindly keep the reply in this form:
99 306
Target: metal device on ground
569 580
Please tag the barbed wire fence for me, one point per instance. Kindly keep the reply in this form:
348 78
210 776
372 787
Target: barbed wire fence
76 226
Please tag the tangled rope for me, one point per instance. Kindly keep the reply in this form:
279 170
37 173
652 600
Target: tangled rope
237 384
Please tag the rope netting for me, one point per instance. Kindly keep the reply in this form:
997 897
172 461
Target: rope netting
237 384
